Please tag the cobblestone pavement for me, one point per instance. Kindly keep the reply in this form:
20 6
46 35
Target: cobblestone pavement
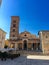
29 60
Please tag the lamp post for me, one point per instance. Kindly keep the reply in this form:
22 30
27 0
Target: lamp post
0 2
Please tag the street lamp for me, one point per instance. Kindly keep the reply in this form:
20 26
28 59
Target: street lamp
0 2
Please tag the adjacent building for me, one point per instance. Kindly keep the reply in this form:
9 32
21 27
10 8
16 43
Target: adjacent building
2 38
44 41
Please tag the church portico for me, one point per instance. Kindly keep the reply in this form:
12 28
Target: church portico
25 44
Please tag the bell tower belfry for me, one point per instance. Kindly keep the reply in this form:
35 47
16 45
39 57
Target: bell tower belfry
14 30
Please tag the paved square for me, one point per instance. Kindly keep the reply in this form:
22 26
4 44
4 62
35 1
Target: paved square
27 60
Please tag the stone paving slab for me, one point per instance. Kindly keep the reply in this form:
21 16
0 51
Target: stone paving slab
38 57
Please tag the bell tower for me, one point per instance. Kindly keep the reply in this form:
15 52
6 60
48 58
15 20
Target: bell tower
14 30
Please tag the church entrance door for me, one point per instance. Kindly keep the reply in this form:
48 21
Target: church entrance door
25 45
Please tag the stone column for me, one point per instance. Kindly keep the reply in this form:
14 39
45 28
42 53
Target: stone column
16 46
22 46
27 46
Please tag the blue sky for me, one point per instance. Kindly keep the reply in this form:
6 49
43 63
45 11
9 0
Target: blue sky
34 15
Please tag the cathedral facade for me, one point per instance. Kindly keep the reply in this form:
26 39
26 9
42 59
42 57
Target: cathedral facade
24 40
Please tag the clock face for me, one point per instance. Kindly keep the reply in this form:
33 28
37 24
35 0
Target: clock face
0 2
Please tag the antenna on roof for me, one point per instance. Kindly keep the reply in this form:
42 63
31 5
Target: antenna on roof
0 2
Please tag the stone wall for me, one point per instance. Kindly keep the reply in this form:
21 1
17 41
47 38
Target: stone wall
44 39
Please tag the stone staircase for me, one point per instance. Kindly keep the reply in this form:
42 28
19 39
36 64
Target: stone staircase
23 52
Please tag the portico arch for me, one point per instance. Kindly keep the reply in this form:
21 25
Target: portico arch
25 44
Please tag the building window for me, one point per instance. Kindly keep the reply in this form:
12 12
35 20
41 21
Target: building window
13 30
14 21
2 37
25 35
13 35
14 25
46 36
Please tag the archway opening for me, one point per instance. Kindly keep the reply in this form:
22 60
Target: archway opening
13 45
25 44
